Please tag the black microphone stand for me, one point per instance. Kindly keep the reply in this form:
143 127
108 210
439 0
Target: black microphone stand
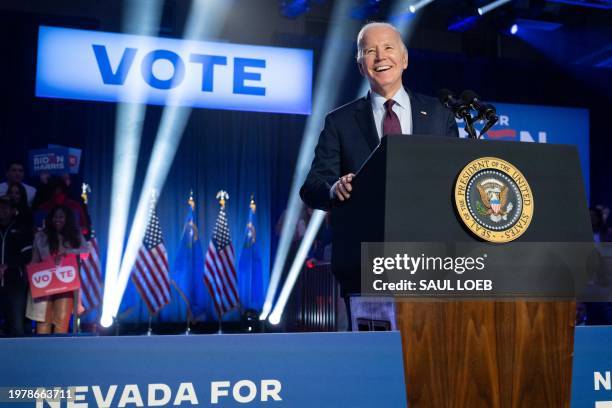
469 124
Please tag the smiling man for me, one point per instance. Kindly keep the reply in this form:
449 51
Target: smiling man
354 130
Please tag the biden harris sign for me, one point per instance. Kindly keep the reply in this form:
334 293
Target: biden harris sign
101 66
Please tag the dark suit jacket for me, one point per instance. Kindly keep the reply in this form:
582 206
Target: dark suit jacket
350 136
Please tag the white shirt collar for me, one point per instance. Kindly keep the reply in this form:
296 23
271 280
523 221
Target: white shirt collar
401 99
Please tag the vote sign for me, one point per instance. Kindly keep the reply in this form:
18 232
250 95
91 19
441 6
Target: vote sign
46 278
115 67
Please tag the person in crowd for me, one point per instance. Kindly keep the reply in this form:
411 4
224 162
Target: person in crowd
15 253
43 190
60 237
15 174
23 214
59 196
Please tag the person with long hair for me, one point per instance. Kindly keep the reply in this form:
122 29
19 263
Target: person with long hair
18 196
61 236
15 253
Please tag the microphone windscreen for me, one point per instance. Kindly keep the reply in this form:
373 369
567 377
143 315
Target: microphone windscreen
469 95
444 94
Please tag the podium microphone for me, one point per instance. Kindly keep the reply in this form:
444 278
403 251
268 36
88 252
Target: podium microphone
485 110
460 108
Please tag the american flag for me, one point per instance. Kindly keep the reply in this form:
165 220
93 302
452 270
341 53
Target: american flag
91 276
150 273
91 268
219 270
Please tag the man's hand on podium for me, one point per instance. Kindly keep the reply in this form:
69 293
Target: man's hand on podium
342 188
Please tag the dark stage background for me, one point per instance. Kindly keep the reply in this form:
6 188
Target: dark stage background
255 153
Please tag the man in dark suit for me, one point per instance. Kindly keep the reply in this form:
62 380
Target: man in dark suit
354 130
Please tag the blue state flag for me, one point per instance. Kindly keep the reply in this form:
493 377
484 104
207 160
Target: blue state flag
188 291
250 275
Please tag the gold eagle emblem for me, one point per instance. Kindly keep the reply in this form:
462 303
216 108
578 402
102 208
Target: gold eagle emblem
488 195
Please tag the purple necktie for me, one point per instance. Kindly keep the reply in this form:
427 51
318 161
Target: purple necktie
391 123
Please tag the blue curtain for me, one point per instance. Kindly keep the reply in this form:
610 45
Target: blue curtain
243 153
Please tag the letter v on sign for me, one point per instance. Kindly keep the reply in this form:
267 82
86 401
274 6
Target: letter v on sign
108 76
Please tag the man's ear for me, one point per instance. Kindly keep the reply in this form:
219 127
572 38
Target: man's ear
406 60
361 69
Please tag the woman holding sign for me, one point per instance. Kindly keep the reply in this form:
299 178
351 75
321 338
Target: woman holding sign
60 238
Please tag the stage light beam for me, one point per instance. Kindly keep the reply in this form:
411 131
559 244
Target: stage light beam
140 18
298 263
206 19
491 6
335 55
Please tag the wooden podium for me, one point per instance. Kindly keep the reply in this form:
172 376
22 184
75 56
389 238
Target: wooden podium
490 353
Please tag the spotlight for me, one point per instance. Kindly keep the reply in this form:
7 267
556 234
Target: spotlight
419 5
106 321
491 6
514 29
274 319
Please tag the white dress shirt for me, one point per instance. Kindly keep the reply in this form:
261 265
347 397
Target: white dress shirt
401 109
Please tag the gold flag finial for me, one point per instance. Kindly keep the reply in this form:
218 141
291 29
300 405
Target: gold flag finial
85 190
252 203
191 200
222 196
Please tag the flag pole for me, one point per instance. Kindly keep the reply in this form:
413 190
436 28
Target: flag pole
187 304
150 330
75 312
76 322
75 294
220 321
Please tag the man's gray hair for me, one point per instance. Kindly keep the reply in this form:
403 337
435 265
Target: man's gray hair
372 25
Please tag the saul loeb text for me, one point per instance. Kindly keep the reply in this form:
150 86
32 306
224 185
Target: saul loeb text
428 275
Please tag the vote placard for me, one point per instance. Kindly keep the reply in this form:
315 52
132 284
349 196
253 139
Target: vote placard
46 278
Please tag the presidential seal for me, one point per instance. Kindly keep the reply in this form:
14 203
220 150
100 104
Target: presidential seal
494 200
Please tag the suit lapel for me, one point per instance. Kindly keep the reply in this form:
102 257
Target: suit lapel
365 120
419 119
